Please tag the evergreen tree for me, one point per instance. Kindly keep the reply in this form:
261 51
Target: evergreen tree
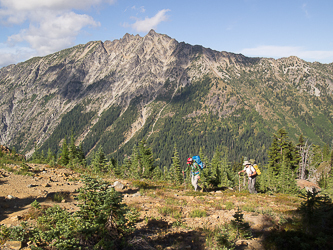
64 156
176 169
125 170
206 176
326 152
116 167
329 184
72 149
135 164
42 157
98 163
49 155
282 148
166 174
80 155
36 156
224 173
216 167
201 153
50 159
206 173
146 159
157 174
286 180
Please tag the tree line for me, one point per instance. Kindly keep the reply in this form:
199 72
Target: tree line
286 163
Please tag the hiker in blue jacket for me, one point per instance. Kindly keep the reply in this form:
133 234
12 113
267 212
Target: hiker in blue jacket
195 170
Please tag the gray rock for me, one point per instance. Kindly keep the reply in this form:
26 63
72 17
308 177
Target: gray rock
118 186
14 245
136 194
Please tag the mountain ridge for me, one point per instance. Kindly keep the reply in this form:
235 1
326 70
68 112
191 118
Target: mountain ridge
142 76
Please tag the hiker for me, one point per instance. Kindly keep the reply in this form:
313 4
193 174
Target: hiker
195 172
252 174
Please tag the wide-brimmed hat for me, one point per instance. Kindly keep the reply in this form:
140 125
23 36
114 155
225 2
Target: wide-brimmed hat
246 163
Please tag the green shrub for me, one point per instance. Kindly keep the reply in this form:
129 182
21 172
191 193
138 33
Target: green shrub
198 213
35 204
101 221
58 197
170 211
58 228
17 233
140 184
229 205
235 230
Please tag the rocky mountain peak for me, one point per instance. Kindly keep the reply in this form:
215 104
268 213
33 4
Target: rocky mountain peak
90 79
152 33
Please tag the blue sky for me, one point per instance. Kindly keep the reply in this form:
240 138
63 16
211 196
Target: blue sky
264 28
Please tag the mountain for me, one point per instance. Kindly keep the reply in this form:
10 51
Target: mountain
112 94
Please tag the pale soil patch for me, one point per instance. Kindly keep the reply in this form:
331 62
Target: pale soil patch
160 231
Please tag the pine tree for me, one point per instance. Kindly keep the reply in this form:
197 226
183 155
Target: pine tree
135 171
42 157
166 174
206 173
49 155
36 156
80 155
146 159
224 173
98 163
176 169
50 159
282 148
216 167
157 174
326 152
243 229
72 149
126 168
286 180
64 156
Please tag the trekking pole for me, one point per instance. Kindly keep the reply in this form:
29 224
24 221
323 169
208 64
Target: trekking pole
239 183
184 179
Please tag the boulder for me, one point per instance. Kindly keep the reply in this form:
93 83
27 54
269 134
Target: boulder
136 194
15 245
118 186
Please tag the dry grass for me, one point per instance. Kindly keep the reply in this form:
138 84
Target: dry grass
34 213
170 211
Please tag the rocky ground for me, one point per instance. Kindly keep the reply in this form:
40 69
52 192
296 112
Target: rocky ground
156 229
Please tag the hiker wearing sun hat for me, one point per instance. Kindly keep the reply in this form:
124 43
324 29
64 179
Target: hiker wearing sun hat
252 174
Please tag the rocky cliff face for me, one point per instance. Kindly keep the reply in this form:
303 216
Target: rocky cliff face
36 94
